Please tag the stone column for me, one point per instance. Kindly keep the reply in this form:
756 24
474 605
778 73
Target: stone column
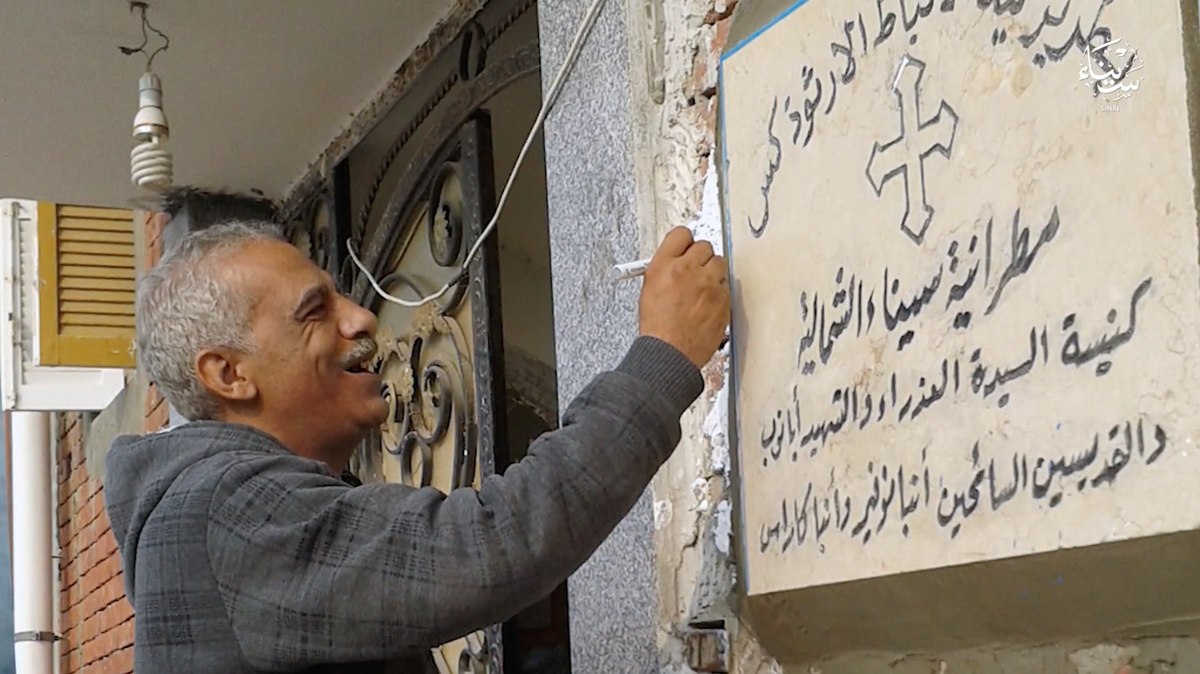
596 210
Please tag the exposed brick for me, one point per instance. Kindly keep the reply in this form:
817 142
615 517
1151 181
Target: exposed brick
152 257
77 447
86 512
77 478
153 398
121 662
158 419
112 565
122 635
92 579
704 76
98 508
69 420
93 651
155 223
91 628
107 544
92 603
705 66
67 544
74 442
115 614
74 594
64 471
722 9
72 637
114 589
158 411
89 488
86 536
105 616
88 558
721 36
124 610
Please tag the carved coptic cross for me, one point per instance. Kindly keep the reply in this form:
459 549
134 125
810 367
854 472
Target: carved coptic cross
912 147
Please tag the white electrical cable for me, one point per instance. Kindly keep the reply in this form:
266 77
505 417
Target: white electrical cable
552 96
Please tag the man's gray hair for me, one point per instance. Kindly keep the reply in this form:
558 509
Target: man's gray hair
186 305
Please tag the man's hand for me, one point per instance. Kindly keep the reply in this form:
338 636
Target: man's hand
685 298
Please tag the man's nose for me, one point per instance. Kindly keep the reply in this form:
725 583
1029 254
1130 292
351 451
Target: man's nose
357 321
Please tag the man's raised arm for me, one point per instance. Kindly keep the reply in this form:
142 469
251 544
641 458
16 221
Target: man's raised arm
314 571
339 574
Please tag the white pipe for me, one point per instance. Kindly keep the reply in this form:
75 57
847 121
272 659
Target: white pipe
33 565
55 544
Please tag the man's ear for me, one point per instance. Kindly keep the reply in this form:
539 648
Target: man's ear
222 373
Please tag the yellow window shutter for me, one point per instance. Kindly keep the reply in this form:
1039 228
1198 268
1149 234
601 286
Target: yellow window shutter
87 270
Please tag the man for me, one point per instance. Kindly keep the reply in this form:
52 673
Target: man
243 551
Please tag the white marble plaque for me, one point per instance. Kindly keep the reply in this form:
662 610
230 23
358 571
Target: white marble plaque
964 242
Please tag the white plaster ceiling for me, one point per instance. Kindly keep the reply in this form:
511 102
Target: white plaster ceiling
254 89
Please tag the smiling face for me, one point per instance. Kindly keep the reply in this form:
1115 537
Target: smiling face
304 382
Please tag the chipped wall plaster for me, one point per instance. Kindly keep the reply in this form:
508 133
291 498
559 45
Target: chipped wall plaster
693 511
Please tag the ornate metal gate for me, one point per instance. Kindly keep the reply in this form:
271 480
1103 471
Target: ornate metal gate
442 364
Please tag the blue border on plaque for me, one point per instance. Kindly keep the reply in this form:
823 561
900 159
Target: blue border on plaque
734 431
771 24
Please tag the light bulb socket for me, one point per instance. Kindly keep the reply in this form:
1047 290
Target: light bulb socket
150 120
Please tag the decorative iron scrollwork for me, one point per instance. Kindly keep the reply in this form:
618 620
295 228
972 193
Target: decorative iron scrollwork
317 222
311 233
477 42
473 51
473 659
442 390
424 408
460 103
444 217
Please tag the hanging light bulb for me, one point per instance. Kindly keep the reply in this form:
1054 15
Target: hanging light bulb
151 164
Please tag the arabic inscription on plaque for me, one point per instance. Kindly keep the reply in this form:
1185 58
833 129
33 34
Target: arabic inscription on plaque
967 304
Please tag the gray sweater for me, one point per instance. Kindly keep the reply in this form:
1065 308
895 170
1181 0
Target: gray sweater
240 556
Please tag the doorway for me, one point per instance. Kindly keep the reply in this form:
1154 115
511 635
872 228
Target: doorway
470 378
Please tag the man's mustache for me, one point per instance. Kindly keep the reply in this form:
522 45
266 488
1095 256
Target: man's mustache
364 348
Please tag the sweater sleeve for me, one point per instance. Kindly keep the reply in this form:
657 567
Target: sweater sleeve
313 571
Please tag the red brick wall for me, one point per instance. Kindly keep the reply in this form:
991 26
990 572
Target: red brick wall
96 621
700 90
